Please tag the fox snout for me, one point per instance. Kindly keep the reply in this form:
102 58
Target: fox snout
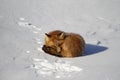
46 48
51 50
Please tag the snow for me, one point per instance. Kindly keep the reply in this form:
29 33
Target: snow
22 19
58 68
22 27
27 51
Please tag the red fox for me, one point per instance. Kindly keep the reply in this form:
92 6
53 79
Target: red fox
63 44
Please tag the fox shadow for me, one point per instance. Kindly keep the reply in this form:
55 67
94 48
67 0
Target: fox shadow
93 49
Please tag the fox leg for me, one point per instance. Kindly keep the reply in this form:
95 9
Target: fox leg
66 53
69 55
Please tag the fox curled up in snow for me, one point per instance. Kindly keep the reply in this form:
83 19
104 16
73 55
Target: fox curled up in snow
63 44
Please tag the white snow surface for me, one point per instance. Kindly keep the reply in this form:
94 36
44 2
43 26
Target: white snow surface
22 27
59 68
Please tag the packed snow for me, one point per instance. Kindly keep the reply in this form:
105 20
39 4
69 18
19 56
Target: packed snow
22 27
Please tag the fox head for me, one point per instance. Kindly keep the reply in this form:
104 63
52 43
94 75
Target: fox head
54 39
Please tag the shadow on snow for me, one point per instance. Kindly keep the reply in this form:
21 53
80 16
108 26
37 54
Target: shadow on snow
93 49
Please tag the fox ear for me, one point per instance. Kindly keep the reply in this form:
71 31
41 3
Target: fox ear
47 36
62 35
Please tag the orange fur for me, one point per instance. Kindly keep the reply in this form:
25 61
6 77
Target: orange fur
64 44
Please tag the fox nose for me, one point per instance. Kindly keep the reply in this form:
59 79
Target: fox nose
44 47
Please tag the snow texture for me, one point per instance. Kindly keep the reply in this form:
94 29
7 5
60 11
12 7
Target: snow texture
58 68
22 27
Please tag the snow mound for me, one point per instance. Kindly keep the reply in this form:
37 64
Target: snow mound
58 68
